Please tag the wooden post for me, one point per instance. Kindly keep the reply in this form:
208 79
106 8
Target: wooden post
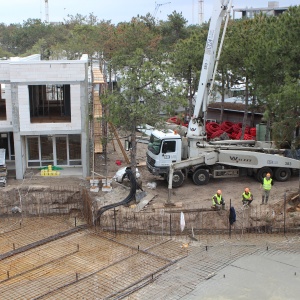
119 143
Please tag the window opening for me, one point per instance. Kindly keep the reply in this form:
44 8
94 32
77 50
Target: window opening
59 150
46 150
50 103
2 102
74 149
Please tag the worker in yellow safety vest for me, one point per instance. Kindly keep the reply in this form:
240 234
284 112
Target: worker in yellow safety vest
266 185
247 197
218 201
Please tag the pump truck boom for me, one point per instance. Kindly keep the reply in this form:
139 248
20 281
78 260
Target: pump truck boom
174 157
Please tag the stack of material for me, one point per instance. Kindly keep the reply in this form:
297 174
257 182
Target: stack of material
3 169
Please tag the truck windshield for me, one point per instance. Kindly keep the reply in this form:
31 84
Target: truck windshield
154 144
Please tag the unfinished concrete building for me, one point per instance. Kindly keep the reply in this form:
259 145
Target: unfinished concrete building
44 113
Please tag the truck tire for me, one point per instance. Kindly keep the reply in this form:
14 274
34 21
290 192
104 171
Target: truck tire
201 177
282 174
260 175
178 179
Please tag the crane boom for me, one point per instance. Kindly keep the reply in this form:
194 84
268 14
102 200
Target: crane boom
196 125
157 6
175 157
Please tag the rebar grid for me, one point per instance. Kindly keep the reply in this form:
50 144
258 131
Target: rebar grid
112 281
207 258
98 264
74 265
18 232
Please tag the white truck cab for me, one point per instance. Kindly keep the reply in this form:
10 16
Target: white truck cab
164 148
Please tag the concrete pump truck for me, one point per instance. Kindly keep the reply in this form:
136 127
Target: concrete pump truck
174 157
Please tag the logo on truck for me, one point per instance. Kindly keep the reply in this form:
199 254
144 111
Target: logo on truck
239 159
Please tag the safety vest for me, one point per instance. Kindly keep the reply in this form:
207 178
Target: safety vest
247 197
219 198
267 184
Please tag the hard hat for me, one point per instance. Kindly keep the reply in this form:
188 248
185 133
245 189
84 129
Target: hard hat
219 192
268 175
247 190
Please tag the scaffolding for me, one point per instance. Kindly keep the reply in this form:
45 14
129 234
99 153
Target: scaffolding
98 87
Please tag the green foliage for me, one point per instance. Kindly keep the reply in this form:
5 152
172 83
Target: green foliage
150 57
284 107
265 51
145 89
172 30
5 54
186 61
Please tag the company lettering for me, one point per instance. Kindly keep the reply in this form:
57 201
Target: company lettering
239 159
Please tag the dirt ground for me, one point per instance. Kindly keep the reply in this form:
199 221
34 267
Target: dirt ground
193 196
187 196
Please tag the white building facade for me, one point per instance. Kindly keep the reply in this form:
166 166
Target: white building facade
44 113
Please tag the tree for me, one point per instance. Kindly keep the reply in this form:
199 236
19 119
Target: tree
172 30
186 61
5 54
238 53
277 65
285 112
145 89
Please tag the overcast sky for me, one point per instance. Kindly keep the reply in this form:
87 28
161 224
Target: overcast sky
16 11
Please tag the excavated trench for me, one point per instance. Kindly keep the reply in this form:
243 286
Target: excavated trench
40 200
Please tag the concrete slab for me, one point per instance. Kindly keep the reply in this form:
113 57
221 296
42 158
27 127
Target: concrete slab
275 276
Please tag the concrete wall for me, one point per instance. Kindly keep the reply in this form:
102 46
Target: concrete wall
4 71
42 72
6 125
17 74
54 128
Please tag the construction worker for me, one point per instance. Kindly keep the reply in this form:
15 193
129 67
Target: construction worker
266 185
218 201
247 197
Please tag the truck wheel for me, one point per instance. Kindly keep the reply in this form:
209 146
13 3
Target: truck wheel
201 177
262 173
178 179
282 174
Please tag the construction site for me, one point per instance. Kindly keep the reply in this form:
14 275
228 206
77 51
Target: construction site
52 248
65 235
73 227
